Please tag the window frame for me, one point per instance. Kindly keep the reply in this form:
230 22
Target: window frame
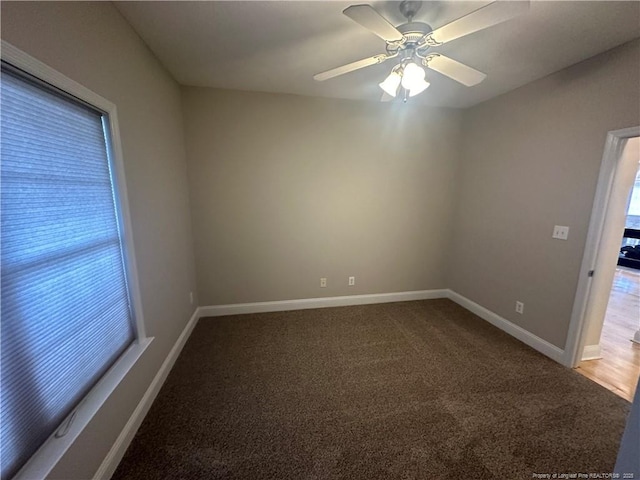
54 448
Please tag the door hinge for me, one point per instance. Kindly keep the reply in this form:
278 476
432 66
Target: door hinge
591 272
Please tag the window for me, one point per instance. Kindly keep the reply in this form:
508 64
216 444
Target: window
67 309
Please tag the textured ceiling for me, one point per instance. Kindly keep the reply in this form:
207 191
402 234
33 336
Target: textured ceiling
277 46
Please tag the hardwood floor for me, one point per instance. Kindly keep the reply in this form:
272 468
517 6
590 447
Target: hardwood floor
619 368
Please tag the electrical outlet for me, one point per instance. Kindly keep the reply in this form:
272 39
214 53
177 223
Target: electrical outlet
323 282
519 308
352 281
191 297
560 232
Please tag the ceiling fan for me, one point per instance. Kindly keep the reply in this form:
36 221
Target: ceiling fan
412 42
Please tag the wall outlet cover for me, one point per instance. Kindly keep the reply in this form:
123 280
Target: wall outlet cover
560 232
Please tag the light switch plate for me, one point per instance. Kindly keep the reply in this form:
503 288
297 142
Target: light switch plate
560 232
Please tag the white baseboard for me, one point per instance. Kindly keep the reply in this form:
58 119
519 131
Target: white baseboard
520 333
591 352
512 329
118 449
307 303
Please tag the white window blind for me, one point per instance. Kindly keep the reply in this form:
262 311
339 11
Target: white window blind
66 313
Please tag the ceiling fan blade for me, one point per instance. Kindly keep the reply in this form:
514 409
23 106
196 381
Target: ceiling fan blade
485 17
370 19
455 70
350 67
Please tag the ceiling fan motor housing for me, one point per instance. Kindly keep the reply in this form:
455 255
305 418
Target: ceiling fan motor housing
412 43
414 31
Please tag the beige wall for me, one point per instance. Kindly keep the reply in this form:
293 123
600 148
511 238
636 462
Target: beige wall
92 44
530 161
288 189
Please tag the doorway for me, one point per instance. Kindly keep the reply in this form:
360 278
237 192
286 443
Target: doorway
617 364
605 315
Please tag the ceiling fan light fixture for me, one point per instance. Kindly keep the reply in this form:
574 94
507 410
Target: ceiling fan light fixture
391 84
413 77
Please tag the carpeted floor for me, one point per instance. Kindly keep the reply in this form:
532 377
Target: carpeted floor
411 390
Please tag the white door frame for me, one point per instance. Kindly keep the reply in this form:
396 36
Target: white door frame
614 146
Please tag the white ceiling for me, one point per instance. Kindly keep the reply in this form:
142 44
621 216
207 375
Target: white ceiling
277 46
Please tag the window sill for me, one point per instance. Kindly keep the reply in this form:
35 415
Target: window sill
50 453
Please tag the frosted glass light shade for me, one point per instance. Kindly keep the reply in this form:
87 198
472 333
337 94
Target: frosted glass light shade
418 87
413 77
391 83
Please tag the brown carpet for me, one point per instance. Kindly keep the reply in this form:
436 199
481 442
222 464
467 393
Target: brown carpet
411 390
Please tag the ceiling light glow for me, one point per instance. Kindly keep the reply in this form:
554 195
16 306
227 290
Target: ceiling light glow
412 76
